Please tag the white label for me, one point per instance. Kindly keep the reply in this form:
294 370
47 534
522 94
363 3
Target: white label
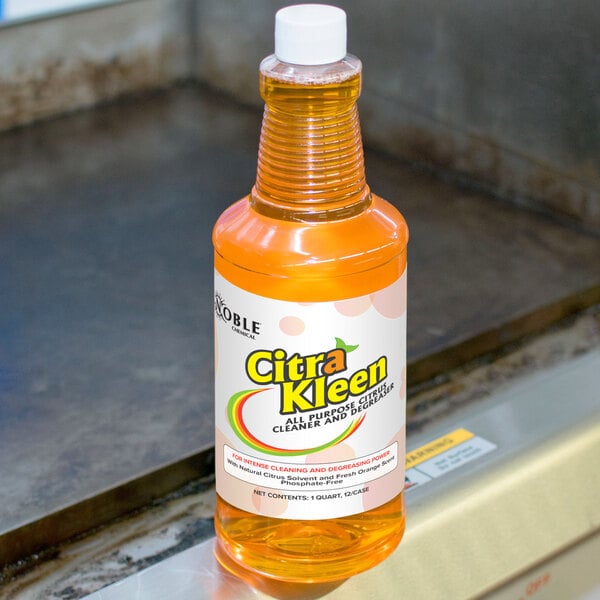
448 453
310 402
414 478
456 457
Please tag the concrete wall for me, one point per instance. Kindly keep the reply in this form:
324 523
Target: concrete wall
503 93
506 93
55 65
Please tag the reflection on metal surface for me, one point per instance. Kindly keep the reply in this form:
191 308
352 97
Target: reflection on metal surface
491 524
11 10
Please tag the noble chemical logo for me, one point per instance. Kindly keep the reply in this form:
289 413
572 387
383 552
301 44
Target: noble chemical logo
240 324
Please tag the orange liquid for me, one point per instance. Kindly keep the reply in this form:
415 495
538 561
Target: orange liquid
310 231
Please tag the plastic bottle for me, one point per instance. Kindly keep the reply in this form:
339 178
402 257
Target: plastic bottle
310 329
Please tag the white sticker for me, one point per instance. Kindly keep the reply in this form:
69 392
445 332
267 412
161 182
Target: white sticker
442 455
456 457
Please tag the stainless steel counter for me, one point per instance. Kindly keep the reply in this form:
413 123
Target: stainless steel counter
518 520
105 296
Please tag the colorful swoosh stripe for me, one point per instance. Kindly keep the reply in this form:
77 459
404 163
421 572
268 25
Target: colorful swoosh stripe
235 408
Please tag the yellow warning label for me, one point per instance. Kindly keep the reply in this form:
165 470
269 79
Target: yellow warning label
437 446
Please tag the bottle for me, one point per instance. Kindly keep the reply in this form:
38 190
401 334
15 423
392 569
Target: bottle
310 329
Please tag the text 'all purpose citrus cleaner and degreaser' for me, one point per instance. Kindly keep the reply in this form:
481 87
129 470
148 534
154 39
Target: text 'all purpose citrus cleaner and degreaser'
310 329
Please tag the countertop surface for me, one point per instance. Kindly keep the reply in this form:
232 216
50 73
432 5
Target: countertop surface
106 285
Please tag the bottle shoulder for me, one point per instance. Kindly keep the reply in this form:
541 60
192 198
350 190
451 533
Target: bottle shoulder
272 246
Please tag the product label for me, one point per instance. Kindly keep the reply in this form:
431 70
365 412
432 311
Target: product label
310 402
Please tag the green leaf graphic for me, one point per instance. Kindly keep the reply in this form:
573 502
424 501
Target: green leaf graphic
340 344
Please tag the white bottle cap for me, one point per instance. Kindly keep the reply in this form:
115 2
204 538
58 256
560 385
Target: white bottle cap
310 34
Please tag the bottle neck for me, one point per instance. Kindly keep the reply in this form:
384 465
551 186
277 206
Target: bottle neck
310 159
